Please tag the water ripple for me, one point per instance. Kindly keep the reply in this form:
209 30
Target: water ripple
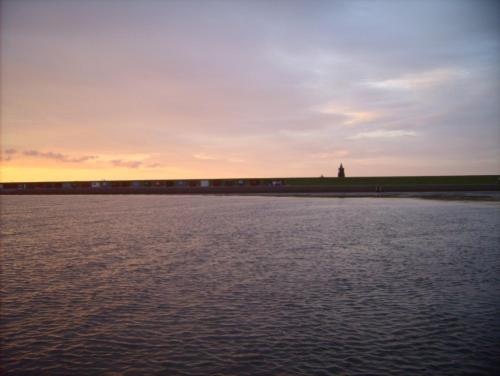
183 285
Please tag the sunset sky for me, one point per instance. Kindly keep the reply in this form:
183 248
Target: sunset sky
207 89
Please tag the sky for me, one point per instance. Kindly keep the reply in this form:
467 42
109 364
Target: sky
133 89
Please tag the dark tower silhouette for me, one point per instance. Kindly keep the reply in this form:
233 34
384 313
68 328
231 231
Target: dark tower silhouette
341 172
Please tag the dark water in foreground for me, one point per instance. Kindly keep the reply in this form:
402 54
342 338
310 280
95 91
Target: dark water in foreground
249 286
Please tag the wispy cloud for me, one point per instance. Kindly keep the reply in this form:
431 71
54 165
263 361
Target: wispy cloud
126 164
350 116
205 157
7 155
212 157
422 80
134 164
332 154
10 153
382 133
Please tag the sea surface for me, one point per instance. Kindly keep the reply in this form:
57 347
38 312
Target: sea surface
235 285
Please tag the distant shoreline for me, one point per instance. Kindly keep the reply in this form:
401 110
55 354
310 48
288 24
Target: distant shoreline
447 196
473 195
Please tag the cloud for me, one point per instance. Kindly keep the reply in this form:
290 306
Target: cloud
205 157
134 164
126 164
7 154
421 80
332 154
350 117
47 155
211 157
381 133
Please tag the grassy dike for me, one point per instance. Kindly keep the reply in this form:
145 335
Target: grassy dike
310 185
396 181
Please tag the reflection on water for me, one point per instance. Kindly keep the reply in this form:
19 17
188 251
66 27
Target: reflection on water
249 285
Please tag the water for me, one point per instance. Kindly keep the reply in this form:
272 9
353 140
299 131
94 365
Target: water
202 285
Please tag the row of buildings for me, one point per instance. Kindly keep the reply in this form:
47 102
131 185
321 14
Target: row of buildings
103 184
194 183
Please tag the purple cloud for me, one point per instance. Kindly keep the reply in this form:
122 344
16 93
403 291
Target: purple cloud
7 154
58 156
127 164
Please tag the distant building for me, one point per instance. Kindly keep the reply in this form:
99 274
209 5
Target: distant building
341 172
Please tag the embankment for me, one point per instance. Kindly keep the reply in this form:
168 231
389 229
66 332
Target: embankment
283 189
